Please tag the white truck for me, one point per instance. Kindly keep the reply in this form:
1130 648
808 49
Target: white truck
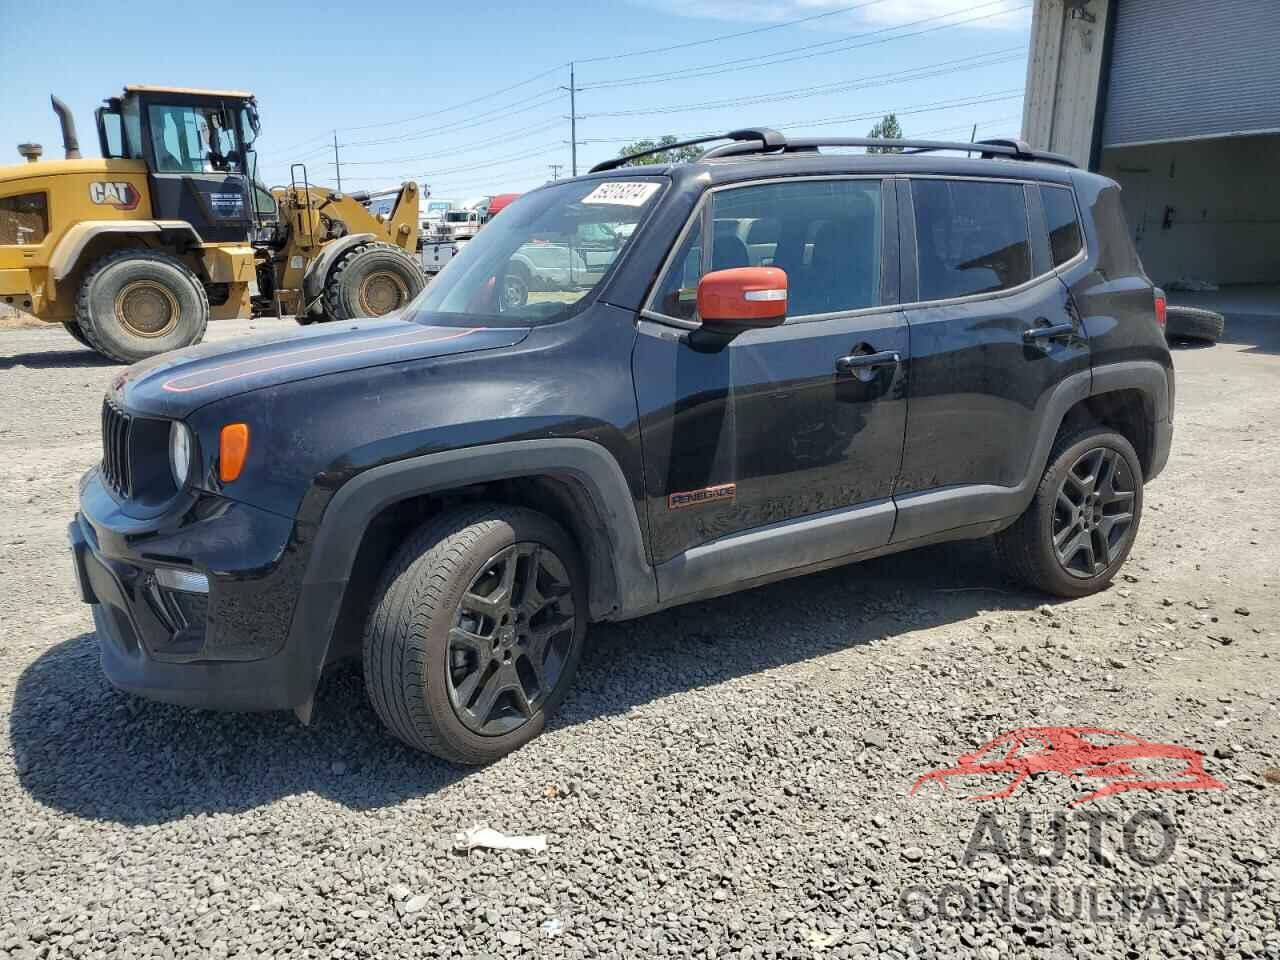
445 237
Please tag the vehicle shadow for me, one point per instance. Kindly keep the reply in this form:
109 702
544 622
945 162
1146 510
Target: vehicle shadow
1257 332
60 359
82 747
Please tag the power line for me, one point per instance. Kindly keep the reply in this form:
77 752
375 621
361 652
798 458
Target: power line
840 45
456 106
499 138
496 162
908 111
478 120
996 96
301 143
871 80
732 36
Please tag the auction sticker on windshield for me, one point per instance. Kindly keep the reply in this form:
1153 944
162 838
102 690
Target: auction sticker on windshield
622 193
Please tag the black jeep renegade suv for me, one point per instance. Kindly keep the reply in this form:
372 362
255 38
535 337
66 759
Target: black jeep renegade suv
632 389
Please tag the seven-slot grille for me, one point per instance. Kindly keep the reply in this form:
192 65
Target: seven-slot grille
115 448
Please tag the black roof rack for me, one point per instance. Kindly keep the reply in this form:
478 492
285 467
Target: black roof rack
767 139
1012 149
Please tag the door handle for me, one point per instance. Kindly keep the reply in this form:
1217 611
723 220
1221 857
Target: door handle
858 361
1049 331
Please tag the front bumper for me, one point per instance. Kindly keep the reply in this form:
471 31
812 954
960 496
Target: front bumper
243 648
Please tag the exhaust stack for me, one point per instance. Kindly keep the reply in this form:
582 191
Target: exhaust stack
70 143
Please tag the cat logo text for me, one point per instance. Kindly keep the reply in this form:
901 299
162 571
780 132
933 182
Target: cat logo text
118 194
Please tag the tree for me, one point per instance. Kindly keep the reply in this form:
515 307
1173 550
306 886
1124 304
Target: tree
887 129
678 155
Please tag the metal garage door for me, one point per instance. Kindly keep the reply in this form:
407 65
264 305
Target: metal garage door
1191 68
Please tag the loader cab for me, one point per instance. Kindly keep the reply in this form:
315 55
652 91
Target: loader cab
198 148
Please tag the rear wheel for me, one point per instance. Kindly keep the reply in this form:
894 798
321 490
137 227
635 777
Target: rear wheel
135 304
475 632
1081 524
371 280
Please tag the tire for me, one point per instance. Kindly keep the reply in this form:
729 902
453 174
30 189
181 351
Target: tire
424 665
135 304
1188 323
1028 548
73 328
371 280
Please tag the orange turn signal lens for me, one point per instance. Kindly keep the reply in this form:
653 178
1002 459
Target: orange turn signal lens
233 448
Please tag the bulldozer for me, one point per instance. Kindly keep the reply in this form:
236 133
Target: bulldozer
136 252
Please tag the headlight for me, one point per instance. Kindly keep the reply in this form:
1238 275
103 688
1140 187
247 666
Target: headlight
179 453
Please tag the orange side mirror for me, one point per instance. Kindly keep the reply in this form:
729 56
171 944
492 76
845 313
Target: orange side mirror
743 297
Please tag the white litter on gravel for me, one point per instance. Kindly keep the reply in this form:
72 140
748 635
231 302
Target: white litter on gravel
483 836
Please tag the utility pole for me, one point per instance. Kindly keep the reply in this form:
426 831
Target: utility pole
336 162
573 122
555 170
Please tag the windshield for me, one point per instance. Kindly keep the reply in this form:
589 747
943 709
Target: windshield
549 250
459 216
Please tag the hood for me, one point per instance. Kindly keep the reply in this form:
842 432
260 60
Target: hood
174 384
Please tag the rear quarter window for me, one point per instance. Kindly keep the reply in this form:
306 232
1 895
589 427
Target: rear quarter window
1065 238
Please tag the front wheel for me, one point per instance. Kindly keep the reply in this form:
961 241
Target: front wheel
475 632
371 280
1080 526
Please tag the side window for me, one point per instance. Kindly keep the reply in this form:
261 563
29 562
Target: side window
1064 228
112 126
677 295
825 234
24 218
971 237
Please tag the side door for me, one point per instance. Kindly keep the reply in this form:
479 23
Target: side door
196 171
994 334
778 448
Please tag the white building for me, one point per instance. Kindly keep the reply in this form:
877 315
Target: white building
1178 100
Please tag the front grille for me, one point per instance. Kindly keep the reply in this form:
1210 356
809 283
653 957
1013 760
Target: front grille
116 425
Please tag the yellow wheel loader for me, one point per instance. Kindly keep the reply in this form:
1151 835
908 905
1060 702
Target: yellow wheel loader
134 253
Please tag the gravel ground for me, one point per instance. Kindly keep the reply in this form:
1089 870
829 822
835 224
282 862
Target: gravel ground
728 779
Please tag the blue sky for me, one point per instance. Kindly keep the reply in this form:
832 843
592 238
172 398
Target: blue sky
412 89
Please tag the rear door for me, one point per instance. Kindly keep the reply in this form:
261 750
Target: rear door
993 332
773 425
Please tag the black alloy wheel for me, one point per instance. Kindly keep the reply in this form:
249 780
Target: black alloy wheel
512 636
1093 515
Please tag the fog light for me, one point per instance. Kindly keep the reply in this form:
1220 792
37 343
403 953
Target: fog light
188 581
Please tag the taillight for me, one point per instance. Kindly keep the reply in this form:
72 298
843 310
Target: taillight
1162 310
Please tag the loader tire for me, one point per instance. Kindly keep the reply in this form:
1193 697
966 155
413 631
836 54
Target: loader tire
135 304
371 280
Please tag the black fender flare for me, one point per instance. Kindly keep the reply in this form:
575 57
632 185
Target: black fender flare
1148 377
588 465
